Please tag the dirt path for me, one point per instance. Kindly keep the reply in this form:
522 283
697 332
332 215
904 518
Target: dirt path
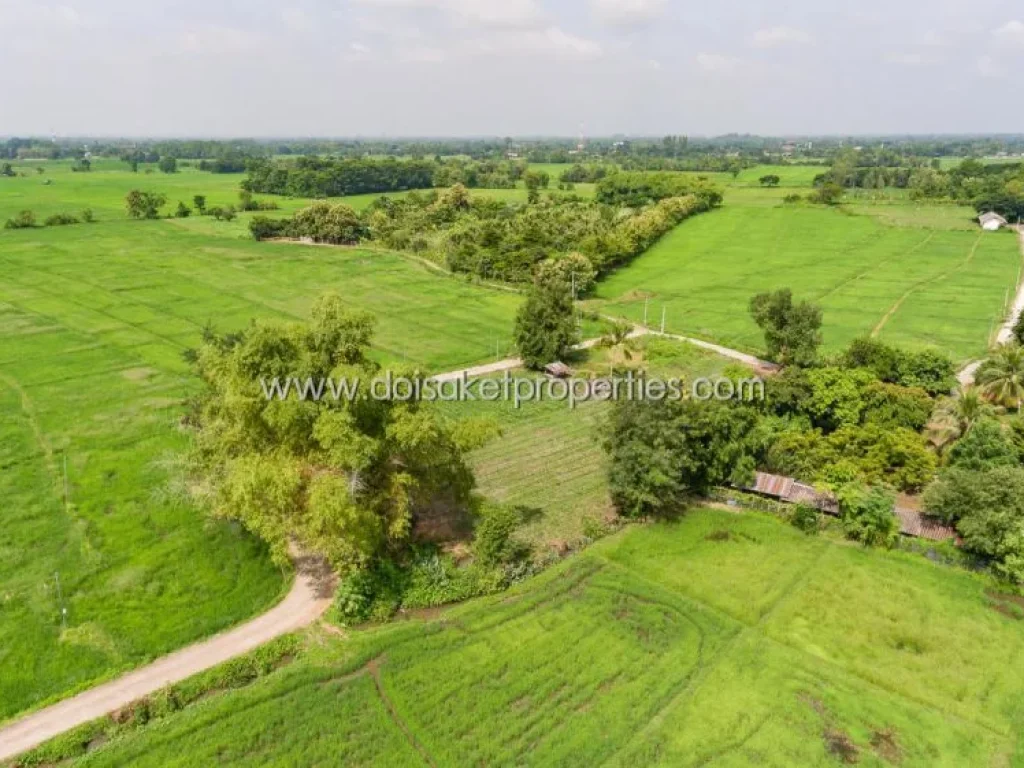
512 363
308 598
899 302
1005 334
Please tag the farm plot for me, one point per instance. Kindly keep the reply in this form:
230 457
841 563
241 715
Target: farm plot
93 323
613 658
918 288
549 458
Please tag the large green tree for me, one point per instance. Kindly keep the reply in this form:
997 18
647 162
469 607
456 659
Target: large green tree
663 452
988 509
545 328
792 332
144 205
343 476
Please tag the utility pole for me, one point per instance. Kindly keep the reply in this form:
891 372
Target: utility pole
645 311
60 600
663 308
66 500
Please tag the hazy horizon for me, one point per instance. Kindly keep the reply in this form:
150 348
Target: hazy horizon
480 68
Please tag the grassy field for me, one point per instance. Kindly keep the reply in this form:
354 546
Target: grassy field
722 639
931 286
93 322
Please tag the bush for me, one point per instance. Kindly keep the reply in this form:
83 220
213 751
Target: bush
24 220
264 228
868 516
429 579
493 542
60 220
436 580
222 214
806 518
87 216
986 446
182 211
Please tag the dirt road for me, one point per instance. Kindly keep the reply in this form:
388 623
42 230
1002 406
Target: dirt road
308 598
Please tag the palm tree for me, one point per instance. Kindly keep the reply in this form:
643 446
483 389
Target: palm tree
1002 377
619 337
955 416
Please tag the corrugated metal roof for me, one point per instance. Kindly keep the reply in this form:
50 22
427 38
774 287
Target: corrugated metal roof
912 522
772 485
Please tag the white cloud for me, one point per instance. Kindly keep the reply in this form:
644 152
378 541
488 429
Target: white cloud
496 13
717 63
932 38
627 12
295 19
1011 33
989 67
215 39
424 54
358 52
550 40
910 59
554 39
771 37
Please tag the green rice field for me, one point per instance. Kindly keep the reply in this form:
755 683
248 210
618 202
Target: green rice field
725 639
94 319
935 287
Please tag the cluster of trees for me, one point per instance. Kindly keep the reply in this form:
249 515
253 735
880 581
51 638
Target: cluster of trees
490 174
986 187
231 163
583 174
147 205
853 423
336 177
638 188
701 163
321 222
497 239
866 423
349 479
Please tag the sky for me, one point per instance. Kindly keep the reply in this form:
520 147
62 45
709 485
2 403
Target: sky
394 68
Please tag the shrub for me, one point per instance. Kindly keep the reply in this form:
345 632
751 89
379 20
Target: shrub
493 542
264 228
429 579
986 446
60 220
182 211
868 516
24 220
806 518
87 216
